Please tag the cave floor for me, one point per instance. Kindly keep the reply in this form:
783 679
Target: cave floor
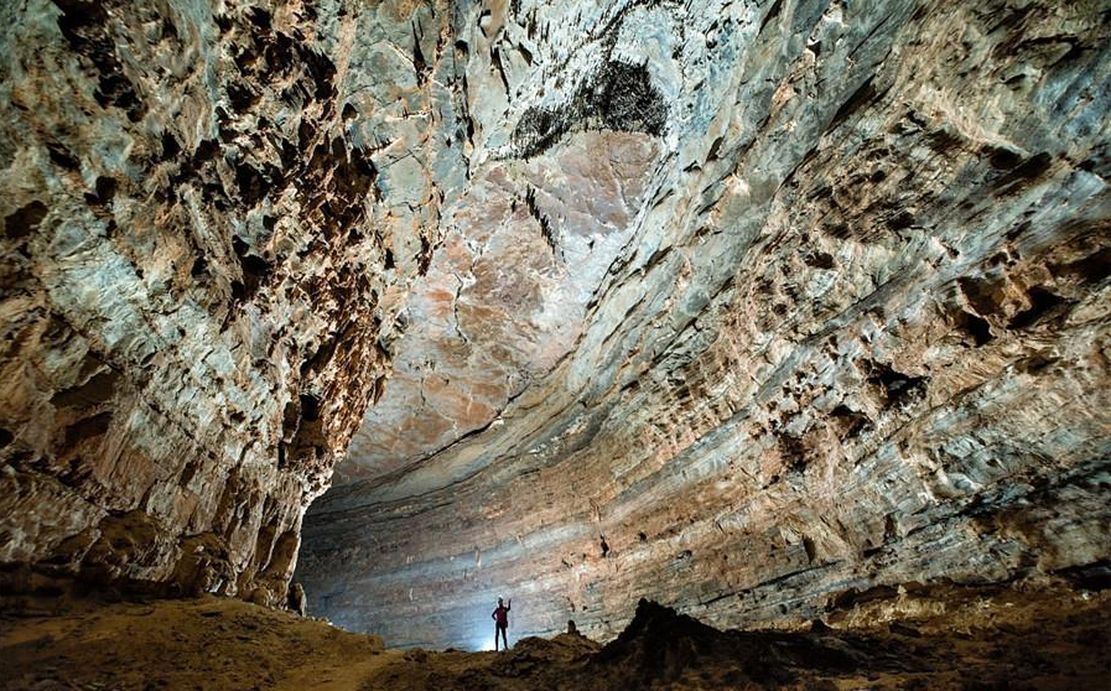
953 638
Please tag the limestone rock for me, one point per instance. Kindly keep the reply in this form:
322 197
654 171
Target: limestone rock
747 307
196 283
852 331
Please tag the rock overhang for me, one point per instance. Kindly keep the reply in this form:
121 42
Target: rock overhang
786 383
774 299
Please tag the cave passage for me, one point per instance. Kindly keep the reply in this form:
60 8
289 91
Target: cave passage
764 342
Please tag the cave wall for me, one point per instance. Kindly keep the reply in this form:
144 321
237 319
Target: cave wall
743 306
851 334
204 245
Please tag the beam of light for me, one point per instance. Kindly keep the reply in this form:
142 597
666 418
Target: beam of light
483 640
479 626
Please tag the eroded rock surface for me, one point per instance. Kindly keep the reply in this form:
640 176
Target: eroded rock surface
747 307
846 328
202 261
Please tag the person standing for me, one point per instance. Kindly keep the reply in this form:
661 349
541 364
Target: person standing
501 623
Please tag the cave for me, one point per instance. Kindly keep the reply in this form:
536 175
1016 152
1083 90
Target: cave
735 343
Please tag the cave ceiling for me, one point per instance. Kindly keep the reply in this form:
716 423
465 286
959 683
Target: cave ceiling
744 306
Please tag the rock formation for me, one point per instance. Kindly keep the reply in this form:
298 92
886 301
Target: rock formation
748 307
1045 639
838 321
197 275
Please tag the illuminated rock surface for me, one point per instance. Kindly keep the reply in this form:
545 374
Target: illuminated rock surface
194 299
747 308
855 333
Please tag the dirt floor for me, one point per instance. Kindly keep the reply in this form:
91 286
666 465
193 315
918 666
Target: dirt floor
957 638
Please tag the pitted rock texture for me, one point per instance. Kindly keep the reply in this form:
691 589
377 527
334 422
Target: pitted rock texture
202 259
747 307
823 308
505 295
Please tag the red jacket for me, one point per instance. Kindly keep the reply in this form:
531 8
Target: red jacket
501 616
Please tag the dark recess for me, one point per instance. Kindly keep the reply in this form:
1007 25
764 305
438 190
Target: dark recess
88 428
24 220
864 94
98 389
850 422
1043 304
310 407
975 326
619 97
84 25
1094 576
256 270
897 387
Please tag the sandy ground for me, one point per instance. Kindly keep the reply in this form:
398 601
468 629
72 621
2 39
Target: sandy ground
208 643
947 638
